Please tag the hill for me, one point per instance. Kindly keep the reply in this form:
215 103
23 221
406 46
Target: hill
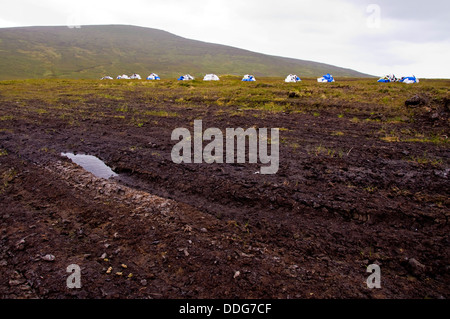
94 51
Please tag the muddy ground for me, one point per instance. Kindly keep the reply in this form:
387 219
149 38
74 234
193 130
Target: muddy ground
338 203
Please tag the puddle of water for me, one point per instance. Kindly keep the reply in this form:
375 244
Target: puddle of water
92 164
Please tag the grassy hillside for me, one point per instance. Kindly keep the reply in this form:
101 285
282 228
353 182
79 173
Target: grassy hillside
94 51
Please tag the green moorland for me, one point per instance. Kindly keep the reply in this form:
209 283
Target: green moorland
356 109
141 102
356 100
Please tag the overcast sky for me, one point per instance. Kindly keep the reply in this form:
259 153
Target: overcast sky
378 37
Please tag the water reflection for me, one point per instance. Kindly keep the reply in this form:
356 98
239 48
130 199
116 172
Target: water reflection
92 164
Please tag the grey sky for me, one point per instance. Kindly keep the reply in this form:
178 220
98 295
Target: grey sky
401 37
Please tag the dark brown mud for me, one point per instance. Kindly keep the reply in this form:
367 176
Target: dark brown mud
342 199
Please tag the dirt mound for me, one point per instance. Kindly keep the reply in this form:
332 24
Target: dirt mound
417 100
430 109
